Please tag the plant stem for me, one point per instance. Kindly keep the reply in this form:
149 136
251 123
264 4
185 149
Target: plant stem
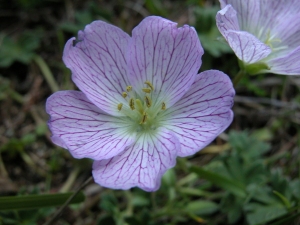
238 77
61 209
46 72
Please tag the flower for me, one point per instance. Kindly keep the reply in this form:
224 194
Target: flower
141 104
264 34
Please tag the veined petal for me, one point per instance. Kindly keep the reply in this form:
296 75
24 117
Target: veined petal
227 19
274 13
202 113
167 56
98 64
288 64
287 32
246 46
248 12
268 19
85 130
141 164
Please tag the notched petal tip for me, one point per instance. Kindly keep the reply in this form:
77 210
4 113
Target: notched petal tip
75 42
167 56
97 59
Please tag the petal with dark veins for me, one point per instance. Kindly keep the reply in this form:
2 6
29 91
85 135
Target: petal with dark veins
140 165
202 113
167 56
98 64
85 130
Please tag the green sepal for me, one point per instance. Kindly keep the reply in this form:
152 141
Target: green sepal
255 68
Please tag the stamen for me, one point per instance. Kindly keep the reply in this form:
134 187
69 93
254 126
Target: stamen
131 103
163 106
149 84
147 90
144 118
148 101
129 88
120 106
139 105
124 94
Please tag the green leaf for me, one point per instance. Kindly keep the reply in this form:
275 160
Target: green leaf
201 207
155 7
260 214
283 199
227 184
37 201
232 206
295 187
249 146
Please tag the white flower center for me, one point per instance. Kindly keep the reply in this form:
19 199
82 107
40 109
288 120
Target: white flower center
274 42
143 114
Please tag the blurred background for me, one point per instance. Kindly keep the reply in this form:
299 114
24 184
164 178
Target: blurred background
248 175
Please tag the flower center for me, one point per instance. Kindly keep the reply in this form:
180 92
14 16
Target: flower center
141 110
273 42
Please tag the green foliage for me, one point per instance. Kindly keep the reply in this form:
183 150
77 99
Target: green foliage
21 49
208 32
269 195
85 16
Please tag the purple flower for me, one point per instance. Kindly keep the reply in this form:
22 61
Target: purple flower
141 104
264 34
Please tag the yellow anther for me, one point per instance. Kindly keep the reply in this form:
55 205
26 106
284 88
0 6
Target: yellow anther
120 106
148 101
129 88
124 94
163 106
147 90
149 85
131 103
144 118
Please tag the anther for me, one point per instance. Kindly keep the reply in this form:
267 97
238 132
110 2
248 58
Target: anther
129 88
163 106
148 101
149 85
147 90
124 94
144 118
120 105
131 103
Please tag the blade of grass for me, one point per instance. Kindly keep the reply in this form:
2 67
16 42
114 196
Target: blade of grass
46 73
37 201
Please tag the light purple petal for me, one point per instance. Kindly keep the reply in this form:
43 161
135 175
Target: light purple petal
165 55
98 64
85 130
273 13
247 12
141 164
279 19
227 20
282 18
287 32
203 112
245 45
289 64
